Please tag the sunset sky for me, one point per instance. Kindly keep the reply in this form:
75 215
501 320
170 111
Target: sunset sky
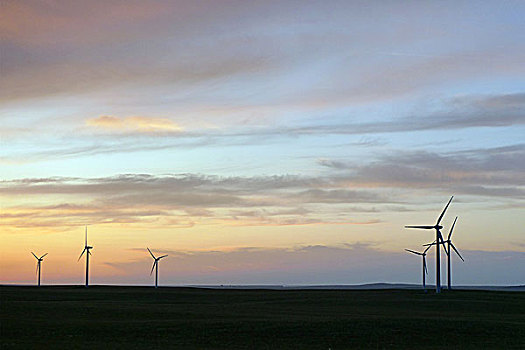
261 142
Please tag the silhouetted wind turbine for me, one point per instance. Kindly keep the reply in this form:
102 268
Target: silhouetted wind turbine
425 270
156 267
39 265
448 251
439 238
86 249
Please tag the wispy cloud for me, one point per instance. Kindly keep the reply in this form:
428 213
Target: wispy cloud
134 124
141 133
181 201
487 172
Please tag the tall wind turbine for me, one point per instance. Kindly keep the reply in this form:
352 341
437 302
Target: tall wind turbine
156 267
39 265
449 253
425 270
86 250
439 238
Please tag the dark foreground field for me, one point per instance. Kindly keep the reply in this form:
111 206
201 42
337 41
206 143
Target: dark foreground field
139 318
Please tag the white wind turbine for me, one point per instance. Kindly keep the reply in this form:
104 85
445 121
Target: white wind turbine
86 250
155 266
39 265
439 238
425 270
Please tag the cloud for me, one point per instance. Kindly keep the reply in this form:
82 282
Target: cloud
169 48
180 201
142 133
494 172
183 200
456 113
134 124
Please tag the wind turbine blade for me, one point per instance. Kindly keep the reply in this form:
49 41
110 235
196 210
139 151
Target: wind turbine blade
153 267
413 252
34 255
425 264
440 237
421 227
160 257
445 249
43 255
452 229
426 250
81 254
444 210
153 256
452 245
37 266
86 238
429 245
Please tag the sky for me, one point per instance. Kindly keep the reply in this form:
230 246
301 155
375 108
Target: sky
261 142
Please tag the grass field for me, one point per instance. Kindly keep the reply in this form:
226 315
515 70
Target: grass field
190 318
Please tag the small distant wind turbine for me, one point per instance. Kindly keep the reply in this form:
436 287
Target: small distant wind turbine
449 253
156 267
439 238
39 265
86 250
425 270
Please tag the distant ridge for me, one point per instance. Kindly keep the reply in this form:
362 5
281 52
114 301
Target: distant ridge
367 286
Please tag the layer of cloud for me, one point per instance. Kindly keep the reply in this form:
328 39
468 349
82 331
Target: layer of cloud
135 134
347 193
292 54
181 200
494 172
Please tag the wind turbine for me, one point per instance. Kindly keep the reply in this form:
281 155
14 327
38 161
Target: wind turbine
86 249
439 238
425 270
449 253
156 267
39 265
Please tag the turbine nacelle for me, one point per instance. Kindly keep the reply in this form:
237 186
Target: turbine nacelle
41 258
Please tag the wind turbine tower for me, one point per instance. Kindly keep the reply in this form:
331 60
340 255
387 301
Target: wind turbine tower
39 265
439 238
156 267
86 250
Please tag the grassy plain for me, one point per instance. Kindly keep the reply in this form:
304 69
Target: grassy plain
191 318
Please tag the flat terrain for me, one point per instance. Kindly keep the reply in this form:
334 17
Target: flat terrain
191 318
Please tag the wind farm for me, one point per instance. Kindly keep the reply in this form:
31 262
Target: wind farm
236 317
308 174
447 244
